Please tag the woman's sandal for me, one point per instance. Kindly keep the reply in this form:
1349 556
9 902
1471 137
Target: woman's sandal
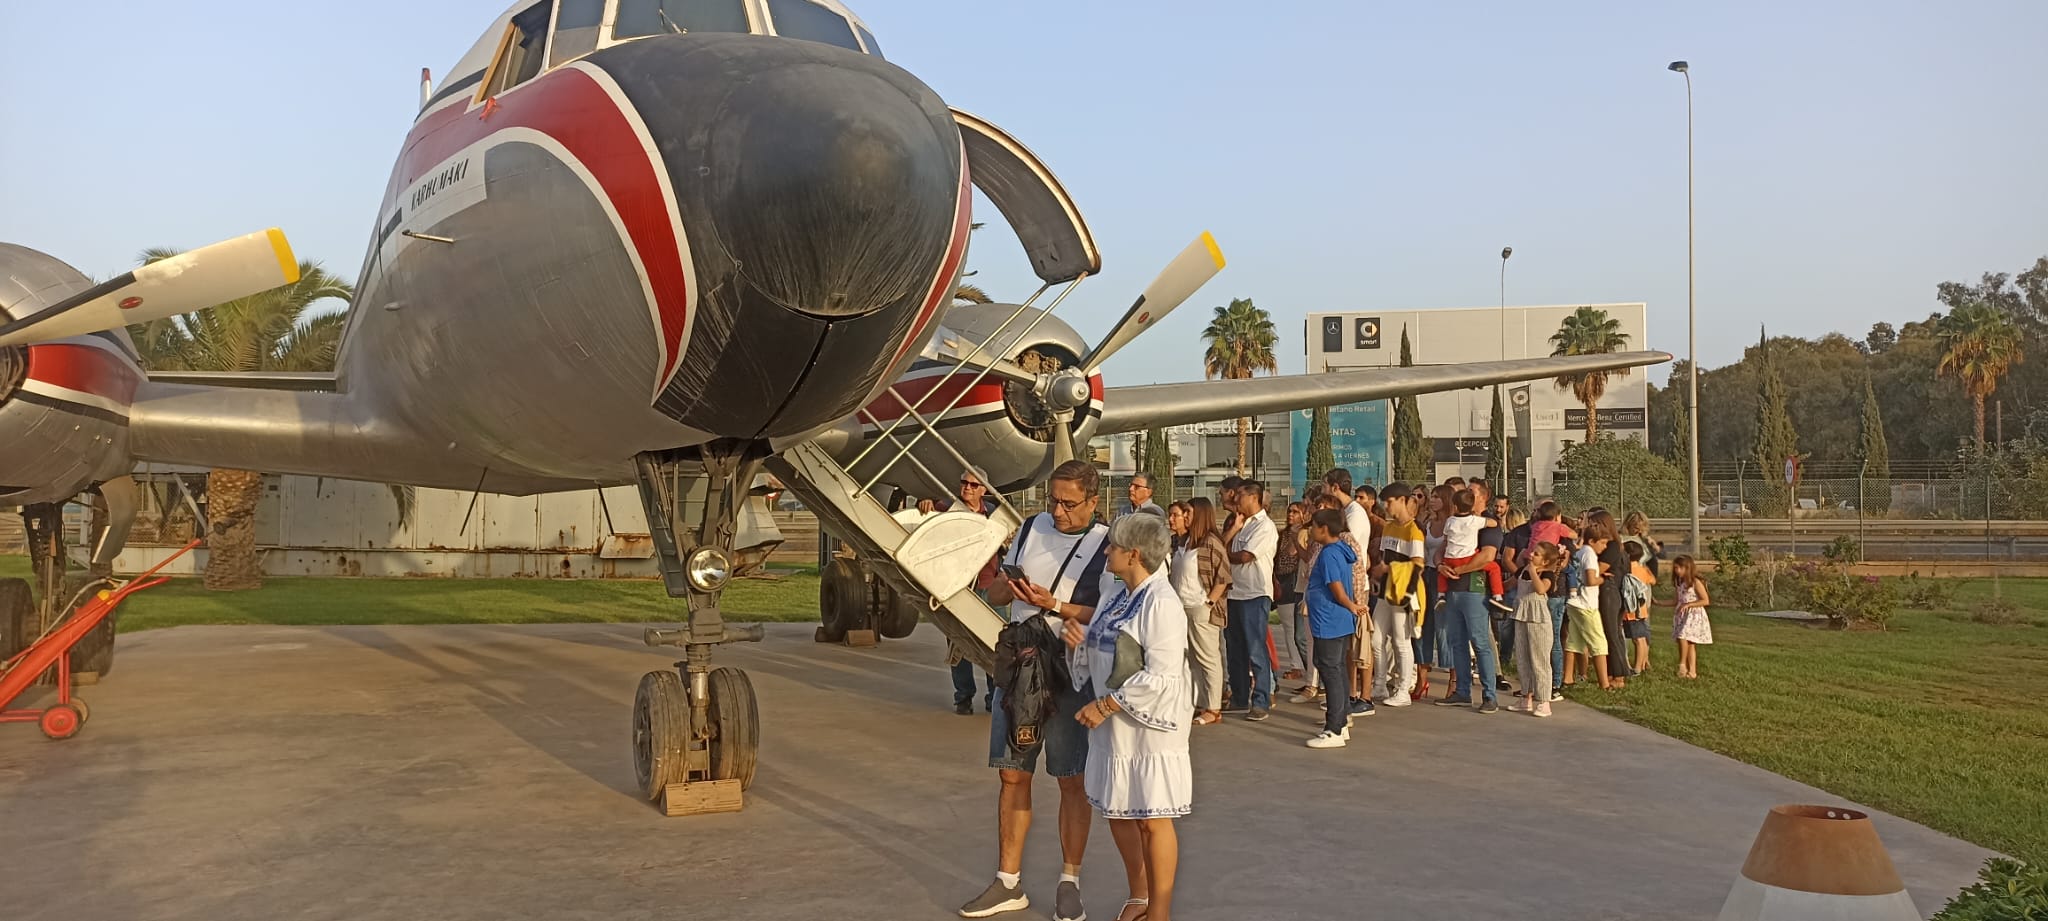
1144 905
1208 718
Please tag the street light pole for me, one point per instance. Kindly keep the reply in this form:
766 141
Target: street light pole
1505 461
1692 352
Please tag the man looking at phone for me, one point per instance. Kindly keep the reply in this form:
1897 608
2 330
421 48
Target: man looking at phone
1056 568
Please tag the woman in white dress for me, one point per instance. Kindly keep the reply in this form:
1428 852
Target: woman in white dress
1133 654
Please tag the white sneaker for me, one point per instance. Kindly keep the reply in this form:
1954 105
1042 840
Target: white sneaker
1305 698
1327 739
1398 700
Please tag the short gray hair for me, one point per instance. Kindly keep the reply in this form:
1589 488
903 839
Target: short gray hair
1146 535
979 475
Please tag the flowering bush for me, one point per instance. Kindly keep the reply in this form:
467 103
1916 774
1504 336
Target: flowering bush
1845 599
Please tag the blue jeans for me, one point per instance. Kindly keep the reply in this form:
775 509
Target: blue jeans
1244 641
1431 640
963 685
1303 643
1470 629
1557 648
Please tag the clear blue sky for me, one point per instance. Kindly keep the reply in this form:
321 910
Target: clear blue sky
1851 155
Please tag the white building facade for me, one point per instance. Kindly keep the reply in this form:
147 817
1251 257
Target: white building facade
1458 422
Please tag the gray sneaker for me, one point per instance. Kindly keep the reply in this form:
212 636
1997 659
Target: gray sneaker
1066 903
999 898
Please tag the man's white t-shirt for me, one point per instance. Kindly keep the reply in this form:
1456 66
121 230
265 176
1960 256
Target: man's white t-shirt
1358 521
1586 596
1254 579
1043 548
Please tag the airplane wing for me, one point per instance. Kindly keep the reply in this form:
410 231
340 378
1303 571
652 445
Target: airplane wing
1131 409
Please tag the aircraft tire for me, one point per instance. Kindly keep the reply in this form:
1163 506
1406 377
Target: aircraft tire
17 616
661 733
93 657
736 725
842 602
893 616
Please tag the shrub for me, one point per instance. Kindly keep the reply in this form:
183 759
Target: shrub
1731 552
1757 588
1997 612
1845 599
1845 549
2006 890
1927 594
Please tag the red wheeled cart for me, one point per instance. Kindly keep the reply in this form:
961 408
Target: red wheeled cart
62 719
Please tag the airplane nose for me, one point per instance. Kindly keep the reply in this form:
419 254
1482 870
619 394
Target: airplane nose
821 191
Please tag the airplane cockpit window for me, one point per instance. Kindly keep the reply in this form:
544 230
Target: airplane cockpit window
519 56
576 23
657 17
811 22
868 38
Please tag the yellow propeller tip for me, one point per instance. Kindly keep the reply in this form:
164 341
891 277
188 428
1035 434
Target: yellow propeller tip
1215 252
282 248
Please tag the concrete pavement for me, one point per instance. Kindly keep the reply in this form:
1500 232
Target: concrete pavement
482 772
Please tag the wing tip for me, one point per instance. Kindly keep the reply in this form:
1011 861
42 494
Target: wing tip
1215 251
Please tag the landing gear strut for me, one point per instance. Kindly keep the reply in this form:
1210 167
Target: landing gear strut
696 729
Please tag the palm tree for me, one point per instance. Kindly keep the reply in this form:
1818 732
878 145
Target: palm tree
1588 331
1980 344
1240 339
268 331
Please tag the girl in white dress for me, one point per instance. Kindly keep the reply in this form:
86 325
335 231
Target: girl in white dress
1133 654
1689 625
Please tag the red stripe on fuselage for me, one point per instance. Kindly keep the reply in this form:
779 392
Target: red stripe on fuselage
930 396
84 368
568 105
956 250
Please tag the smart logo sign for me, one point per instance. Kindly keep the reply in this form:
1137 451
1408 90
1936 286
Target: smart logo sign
1358 439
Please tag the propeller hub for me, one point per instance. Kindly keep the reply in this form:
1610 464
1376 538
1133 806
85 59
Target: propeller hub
1067 390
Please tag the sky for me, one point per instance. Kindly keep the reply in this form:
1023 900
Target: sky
1849 156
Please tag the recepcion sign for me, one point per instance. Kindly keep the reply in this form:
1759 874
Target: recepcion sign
1358 438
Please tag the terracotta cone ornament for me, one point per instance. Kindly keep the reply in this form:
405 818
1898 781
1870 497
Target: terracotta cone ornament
1818 863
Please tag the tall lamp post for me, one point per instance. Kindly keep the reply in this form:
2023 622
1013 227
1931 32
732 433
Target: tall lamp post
1692 353
1505 461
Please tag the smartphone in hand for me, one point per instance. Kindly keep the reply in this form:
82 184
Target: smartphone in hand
1014 573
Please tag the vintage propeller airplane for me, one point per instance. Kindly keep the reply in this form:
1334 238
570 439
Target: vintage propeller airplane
671 242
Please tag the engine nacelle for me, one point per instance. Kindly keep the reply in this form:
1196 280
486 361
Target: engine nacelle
1000 426
63 404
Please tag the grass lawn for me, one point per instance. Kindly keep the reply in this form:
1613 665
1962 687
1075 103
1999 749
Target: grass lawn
1939 719
789 596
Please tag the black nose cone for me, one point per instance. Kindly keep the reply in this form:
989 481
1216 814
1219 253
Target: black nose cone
820 190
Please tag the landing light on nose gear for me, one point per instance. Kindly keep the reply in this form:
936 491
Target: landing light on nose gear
696 729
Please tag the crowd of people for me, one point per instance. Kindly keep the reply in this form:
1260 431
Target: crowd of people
1129 630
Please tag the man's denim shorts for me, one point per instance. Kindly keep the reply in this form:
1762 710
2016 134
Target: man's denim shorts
1063 738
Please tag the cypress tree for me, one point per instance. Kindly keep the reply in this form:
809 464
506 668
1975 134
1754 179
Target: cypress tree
1876 457
1321 455
1412 461
1775 439
1159 462
1496 452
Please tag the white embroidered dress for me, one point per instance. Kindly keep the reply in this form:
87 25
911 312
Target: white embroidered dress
1138 765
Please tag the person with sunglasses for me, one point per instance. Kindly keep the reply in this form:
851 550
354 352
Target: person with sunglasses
974 494
1063 555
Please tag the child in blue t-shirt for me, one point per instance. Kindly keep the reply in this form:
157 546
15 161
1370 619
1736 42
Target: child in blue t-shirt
1332 619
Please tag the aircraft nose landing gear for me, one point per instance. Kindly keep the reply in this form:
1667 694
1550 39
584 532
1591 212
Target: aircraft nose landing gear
696 729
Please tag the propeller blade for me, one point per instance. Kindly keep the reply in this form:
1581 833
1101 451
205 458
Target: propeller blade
1063 438
951 348
189 281
1185 275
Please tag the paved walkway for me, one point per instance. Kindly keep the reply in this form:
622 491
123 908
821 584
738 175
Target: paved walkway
481 772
